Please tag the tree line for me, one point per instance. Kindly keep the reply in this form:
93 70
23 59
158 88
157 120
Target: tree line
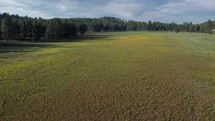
15 27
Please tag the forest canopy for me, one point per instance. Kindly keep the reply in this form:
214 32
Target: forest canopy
15 27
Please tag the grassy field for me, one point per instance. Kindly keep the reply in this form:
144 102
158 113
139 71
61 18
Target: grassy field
125 76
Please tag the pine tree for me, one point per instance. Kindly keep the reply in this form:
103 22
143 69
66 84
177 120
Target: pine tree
191 27
197 28
23 29
208 26
6 28
29 28
50 30
36 31
82 28
55 29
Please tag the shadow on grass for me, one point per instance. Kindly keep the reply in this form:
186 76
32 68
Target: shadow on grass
93 37
80 38
21 46
4 51
17 46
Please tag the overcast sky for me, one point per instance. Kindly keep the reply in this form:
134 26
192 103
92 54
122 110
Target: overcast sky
140 10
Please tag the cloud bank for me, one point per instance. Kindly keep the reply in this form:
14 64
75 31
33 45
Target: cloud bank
139 10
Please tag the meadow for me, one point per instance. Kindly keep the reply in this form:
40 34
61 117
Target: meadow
121 76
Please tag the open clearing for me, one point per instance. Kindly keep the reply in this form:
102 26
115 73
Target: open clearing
110 76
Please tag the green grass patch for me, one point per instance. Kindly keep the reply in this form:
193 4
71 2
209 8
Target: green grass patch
110 76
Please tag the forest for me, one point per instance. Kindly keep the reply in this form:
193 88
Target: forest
15 27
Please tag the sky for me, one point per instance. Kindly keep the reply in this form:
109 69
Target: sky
178 11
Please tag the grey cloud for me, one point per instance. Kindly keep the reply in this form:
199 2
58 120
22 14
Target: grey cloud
142 10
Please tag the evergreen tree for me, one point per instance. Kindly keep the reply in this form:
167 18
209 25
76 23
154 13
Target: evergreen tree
197 28
23 29
149 26
190 27
36 31
70 29
54 29
6 28
208 26
176 29
0 34
29 29
82 28
50 30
